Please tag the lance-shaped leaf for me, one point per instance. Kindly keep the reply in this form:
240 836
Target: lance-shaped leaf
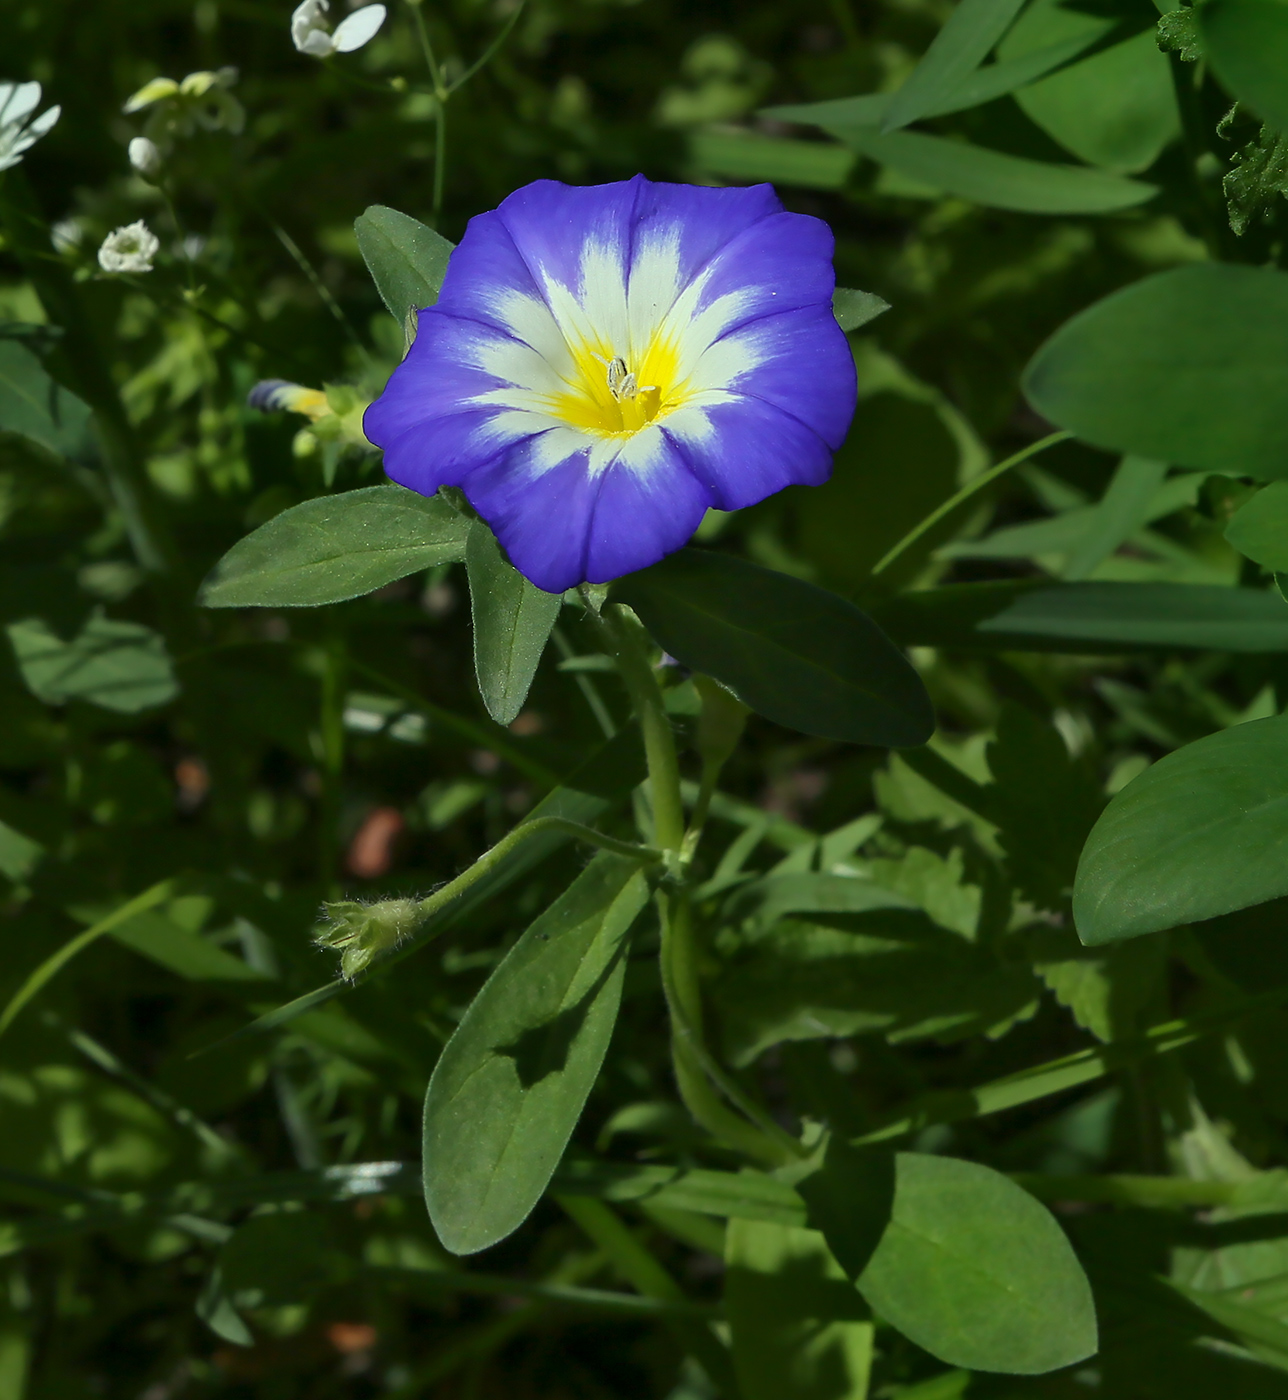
512 622
794 653
853 309
1202 832
1025 615
337 547
407 260
994 178
977 1272
1189 367
958 49
511 1083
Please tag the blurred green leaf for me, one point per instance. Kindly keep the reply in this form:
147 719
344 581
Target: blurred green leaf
1259 528
120 666
512 621
512 1081
968 35
993 178
811 165
1088 618
1247 43
796 654
19 854
407 260
797 1326
1185 367
1115 109
854 309
180 950
977 1272
279 1258
34 406
333 548
1202 832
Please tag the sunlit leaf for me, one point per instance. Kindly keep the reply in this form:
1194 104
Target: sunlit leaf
337 547
407 259
121 666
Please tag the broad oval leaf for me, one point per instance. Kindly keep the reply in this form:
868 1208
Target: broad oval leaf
1259 528
512 622
1189 366
1115 109
1201 833
511 1083
120 666
977 1272
993 178
1247 43
1082 618
407 259
337 547
796 654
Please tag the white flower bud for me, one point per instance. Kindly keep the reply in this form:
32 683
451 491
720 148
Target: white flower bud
145 157
129 249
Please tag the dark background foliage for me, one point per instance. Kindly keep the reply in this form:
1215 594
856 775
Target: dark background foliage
347 748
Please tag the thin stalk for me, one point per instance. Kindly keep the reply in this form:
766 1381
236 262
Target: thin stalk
490 51
696 1071
589 691
320 287
967 491
331 726
627 644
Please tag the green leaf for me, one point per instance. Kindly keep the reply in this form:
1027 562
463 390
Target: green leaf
512 622
1202 832
1247 43
121 666
407 260
850 1196
1187 366
811 165
796 654
181 950
333 548
992 178
1125 507
971 31
34 406
511 1083
977 1272
1259 528
797 1326
19 854
1090 618
1116 109
854 309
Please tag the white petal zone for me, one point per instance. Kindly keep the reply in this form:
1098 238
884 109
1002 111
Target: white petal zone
16 100
616 310
358 29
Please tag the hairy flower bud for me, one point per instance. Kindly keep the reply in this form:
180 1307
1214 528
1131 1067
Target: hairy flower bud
362 932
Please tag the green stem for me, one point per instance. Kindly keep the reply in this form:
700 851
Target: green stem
590 692
628 644
965 494
696 1072
538 826
490 51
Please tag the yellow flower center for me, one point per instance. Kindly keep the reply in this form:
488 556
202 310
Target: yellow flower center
612 396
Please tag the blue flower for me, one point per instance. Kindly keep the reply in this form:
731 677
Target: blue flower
605 363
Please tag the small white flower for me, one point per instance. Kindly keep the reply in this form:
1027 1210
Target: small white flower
17 133
145 157
310 34
129 249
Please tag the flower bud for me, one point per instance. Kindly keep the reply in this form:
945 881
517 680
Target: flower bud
145 157
362 932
